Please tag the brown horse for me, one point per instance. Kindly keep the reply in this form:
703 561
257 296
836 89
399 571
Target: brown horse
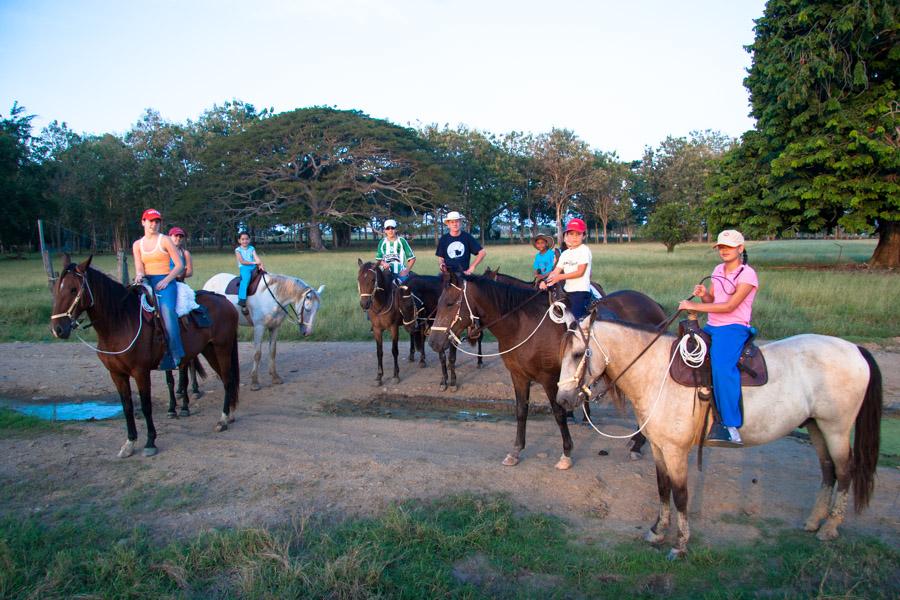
130 344
513 313
377 297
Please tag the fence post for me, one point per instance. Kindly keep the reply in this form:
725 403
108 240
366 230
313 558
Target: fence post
122 267
45 256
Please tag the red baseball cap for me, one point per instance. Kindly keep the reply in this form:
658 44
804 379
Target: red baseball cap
576 225
151 214
176 231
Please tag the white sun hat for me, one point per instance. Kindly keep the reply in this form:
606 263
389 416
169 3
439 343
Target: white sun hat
390 223
453 216
730 237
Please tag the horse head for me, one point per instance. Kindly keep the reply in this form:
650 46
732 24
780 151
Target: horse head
369 279
71 297
578 367
409 307
307 306
453 313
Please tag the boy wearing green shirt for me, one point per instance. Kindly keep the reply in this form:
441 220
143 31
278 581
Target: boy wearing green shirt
394 252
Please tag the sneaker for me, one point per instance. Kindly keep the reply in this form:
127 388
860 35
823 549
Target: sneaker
721 437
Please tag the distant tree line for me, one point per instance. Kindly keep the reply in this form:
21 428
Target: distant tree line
824 156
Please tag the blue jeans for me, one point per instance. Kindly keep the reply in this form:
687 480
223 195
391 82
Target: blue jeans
246 276
166 300
580 302
727 343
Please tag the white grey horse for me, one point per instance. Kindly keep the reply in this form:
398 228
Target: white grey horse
823 383
277 297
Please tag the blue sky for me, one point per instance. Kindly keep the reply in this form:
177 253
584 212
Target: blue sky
622 75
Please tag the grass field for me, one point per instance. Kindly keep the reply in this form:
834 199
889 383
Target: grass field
459 547
806 286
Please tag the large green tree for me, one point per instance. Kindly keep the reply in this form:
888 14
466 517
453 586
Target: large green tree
826 148
20 180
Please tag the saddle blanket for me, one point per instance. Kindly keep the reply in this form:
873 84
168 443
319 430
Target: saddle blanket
185 301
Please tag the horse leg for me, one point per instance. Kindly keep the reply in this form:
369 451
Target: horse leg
194 387
257 355
170 384
678 473
218 362
522 385
182 387
443 357
480 362
635 444
823 498
120 380
559 413
378 332
657 533
453 385
412 347
420 340
143 384
395 351
839 448
273 342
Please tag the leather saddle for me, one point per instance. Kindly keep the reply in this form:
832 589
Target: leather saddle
751 364
235 284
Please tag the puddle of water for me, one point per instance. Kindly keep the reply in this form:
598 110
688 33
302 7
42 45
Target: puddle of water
69 411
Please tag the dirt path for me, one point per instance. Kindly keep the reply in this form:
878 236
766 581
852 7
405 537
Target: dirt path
328 442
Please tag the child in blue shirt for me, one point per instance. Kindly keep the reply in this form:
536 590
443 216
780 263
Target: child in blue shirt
545 259
247 260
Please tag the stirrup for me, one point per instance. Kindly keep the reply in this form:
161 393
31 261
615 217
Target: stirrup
719 437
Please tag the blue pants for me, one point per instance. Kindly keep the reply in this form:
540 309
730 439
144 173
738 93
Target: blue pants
579 302
727 343
246 275
166 300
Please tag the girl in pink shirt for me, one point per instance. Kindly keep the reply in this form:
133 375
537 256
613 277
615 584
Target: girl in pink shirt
729 304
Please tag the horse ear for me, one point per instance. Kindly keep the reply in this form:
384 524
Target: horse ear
321 289
66 260
83 267
359 262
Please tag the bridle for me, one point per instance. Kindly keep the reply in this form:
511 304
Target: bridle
473 318
418 308
375 289
73 309
297 317
584 365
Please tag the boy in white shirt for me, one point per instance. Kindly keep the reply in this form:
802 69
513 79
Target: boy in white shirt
574 267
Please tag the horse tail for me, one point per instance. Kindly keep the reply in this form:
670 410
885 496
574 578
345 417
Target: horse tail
234 375
867 440
198 367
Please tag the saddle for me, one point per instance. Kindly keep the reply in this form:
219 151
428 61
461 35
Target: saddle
751 364
235 284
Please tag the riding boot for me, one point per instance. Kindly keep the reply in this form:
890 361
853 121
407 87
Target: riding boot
244 309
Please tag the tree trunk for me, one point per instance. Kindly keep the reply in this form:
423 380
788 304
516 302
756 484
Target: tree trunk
605 228
559 228
315 236
670 248
887 252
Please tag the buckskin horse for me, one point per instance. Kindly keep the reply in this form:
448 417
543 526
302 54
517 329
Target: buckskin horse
276 296
819 382
130 343
528 340
377 296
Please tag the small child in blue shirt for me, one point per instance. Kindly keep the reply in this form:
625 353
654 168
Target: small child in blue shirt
545 259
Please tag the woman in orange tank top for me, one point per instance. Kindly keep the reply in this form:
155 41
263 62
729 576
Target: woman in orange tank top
152 254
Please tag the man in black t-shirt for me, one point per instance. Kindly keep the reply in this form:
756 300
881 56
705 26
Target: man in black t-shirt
456 248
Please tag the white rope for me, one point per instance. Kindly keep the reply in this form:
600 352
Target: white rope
456 340
137 335
692 358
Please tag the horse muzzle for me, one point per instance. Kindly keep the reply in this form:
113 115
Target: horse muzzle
61 330
570 398
438 340
365 303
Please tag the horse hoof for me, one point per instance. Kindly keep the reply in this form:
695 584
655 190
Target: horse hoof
231 418
198 394
676 553
826 534
454 387
277 381
184 412
812 525
220 426
654 538
255 387
479 366
422 364
511 460
634 455
564 463
172 414
126 450
378 383
395 379
151 451
442 387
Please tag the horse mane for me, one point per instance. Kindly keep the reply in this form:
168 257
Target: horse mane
504 296
293 287
117 301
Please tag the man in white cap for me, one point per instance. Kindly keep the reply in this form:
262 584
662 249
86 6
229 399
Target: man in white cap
394 252
456 247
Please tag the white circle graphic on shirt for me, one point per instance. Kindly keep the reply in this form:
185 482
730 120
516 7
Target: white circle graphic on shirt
456 249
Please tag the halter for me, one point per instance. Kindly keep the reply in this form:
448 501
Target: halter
72 309
584 366
472 316
297 317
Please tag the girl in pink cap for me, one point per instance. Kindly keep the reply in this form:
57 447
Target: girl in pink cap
177 235
729 304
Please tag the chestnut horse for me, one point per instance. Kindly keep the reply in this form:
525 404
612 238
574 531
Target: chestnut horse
130 344
528 340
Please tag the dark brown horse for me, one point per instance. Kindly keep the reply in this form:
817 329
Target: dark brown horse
130 344
513 313
377 297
